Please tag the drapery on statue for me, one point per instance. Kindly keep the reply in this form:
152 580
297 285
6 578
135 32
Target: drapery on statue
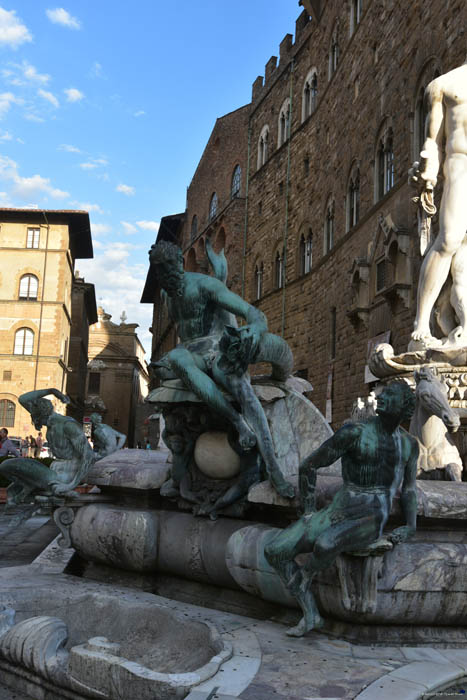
377 458
213 353
73 456
446 99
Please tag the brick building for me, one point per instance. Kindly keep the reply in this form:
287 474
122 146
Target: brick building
117 375
328 248
38 253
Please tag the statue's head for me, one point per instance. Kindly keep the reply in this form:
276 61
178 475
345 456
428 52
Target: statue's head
397 400
95 418
168 261
41 411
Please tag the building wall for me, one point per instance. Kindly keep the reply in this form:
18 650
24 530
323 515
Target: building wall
117 356
330 314
48 316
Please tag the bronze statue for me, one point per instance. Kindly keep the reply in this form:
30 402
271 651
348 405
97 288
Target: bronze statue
378 456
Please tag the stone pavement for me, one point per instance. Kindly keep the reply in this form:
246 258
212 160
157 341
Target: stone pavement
266 664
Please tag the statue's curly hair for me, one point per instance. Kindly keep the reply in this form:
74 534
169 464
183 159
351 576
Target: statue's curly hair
165 252
408 398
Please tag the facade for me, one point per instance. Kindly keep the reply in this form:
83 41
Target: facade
329 250
38 253
117 377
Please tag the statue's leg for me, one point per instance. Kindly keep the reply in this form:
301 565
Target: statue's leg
188 370
280 552
452 227
242 391
274 349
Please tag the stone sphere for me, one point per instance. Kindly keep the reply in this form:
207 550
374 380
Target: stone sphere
214 456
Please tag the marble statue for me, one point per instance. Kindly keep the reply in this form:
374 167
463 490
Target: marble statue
377 457
106 439
73 455
446 98
213 354
433 423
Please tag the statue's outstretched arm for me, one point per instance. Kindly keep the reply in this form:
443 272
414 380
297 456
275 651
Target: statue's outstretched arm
329 452
26 400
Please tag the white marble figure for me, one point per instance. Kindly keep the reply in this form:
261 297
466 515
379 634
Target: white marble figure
432 424
446 98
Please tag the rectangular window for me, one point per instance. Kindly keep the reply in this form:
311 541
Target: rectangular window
94 382
7 375
33 238
380 275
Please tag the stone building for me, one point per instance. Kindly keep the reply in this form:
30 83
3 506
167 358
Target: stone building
38 253
329 247
117 376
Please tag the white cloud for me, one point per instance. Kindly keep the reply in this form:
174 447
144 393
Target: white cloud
49 97
87 206
12 32
139 113
68 148
149 225
100 229
24 73
5 136
6 100
130 229
30 73
88 166
27 188
96 70
73 95
125 189
61 16
32 117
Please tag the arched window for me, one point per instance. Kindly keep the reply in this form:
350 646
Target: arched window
355 14
329 228
310 94
263 146
353 199
284 123
259 271
279 269
28 287
384 161
213 207
194 227
24 341
7 413
306 253
236 182
333 54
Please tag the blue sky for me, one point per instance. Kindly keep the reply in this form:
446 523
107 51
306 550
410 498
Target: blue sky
107 106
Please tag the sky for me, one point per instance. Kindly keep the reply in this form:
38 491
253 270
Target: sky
107 106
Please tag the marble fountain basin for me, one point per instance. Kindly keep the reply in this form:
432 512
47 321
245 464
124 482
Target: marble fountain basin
107 646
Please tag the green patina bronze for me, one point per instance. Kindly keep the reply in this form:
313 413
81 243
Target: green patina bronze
377 457
213 354
69 445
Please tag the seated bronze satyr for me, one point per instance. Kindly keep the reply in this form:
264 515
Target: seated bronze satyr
378 457
213 354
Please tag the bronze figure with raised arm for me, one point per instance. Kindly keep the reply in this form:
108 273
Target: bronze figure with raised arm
378 457
213 354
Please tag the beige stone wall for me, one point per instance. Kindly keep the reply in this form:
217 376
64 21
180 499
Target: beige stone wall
48 316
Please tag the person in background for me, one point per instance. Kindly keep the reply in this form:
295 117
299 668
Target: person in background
6 446
24 446
39 443
148 445
32 445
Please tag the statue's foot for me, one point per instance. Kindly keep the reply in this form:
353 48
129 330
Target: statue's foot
307 623
169 490
421 339
246 437
284 488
